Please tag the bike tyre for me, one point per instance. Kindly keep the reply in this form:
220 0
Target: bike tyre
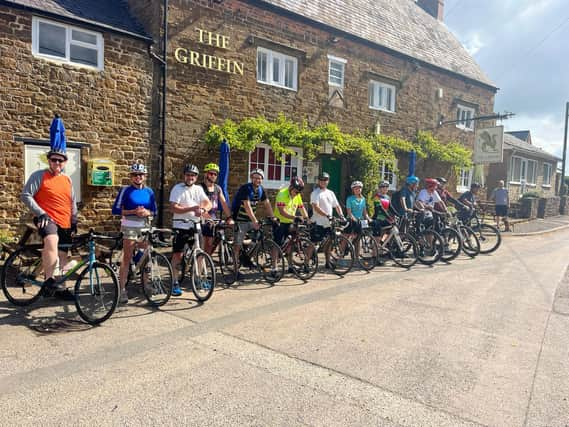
484 232
335 253
436 245
264 262
367 242
470 242
103 298
407 255
203 286
227 264
299 250
159 290
16 267
449 236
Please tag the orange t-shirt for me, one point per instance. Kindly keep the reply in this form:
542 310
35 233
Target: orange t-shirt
54 197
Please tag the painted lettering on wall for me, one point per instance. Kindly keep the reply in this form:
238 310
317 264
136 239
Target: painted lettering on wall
210 62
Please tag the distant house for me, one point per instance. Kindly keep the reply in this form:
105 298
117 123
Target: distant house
525 167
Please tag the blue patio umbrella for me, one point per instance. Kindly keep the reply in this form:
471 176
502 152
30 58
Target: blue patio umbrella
224 156
57 138
412 161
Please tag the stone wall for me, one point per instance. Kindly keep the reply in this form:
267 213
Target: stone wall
564 205
548 206
109 111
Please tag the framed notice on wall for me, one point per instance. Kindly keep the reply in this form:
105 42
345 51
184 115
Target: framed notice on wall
310 172
35 158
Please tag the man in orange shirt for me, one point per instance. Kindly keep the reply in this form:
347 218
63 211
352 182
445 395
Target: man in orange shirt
49 195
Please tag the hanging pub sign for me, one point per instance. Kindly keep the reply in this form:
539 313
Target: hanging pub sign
488 145
204 60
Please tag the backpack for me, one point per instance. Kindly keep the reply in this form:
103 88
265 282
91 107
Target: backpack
236 203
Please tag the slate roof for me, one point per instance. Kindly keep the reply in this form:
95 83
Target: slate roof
109 14
524 135
399 25
513 143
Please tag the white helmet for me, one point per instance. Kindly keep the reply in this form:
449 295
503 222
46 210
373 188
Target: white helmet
257 172
138 168
357 184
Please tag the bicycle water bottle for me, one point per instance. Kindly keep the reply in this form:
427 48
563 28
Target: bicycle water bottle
138 256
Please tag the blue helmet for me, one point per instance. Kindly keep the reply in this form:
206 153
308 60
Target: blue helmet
412 180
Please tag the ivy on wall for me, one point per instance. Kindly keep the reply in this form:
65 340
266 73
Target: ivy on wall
365 151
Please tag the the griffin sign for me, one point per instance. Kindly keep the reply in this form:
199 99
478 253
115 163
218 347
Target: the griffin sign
488 145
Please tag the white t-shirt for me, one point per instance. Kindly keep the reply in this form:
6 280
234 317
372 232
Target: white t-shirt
186 196
326 200
429 199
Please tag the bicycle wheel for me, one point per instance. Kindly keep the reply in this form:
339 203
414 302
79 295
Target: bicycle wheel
270 260
340 255
367 251
157 279
452 244
96 293
489 236
203 276
470 242
227 263
403 250
430 245
303 258
22 277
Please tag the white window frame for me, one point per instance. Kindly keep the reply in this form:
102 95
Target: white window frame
342 64
547 177
523 170
375 93
465 123
388 175
464 180
282 58
99 47
295 162
533 181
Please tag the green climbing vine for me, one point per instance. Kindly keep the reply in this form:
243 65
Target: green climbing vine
365 151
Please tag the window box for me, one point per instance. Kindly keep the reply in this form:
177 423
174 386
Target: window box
277 69
382 96
278 169
67 44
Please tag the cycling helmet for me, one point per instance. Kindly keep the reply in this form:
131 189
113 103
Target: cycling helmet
357 184
475 185
383 184
138 167
442 180
324 176
191 168
412 180
211 167
297 183
259 172
431 182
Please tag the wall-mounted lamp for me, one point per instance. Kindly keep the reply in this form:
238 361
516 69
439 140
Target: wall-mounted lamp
333 40
440 93
377 127
250 39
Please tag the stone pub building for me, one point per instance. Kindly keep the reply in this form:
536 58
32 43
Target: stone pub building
381 65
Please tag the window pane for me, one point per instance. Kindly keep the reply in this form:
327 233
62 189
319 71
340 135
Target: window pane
289 73
336 75
276 70
388 99
83 37
83 55
51 40
262 66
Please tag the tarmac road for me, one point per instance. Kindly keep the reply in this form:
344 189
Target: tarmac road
475 342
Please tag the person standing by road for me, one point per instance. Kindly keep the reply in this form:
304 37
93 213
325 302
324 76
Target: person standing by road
323 202
136 205
501 197
49 194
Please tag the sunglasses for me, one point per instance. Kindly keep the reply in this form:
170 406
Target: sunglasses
137 175
212 173
191 174
56 160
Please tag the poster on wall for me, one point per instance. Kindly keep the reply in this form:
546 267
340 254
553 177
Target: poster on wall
36 159
488 145
310 172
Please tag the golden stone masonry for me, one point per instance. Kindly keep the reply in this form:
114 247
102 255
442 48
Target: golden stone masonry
210 62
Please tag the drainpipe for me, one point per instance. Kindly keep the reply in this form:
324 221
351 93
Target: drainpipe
163 142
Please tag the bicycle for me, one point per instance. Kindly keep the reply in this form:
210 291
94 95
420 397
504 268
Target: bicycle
96 291
489 236
429 242
401 247
226 260
153 268
337 248
470 243
197 264
263 254
366 247
300 252
452 239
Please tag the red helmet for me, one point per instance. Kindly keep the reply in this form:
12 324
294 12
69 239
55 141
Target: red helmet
431 183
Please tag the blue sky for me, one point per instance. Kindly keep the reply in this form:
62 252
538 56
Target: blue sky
523 46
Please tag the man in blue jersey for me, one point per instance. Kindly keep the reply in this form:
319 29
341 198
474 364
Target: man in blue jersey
136 205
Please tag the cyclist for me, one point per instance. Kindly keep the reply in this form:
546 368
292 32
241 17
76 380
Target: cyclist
288 201
356 210
218 202
404 199
426 201
244 208
49 194
323 202
136 204
468 199
188 201
382 217
445 195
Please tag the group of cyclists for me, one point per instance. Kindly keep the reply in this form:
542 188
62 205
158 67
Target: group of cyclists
49 195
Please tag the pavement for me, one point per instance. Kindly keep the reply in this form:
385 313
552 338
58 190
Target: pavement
536 226
478 342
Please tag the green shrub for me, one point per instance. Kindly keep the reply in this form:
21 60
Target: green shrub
531 194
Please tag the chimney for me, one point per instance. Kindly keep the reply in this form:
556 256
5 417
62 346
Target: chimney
434 8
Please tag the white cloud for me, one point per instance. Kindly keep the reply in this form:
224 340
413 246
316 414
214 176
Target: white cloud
473 43
546 130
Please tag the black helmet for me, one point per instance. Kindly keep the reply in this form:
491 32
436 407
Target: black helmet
191 168
475 185
297 183
442 180
324 176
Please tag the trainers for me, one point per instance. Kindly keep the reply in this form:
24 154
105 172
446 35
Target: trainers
123 299
206 285
176 291
51 284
